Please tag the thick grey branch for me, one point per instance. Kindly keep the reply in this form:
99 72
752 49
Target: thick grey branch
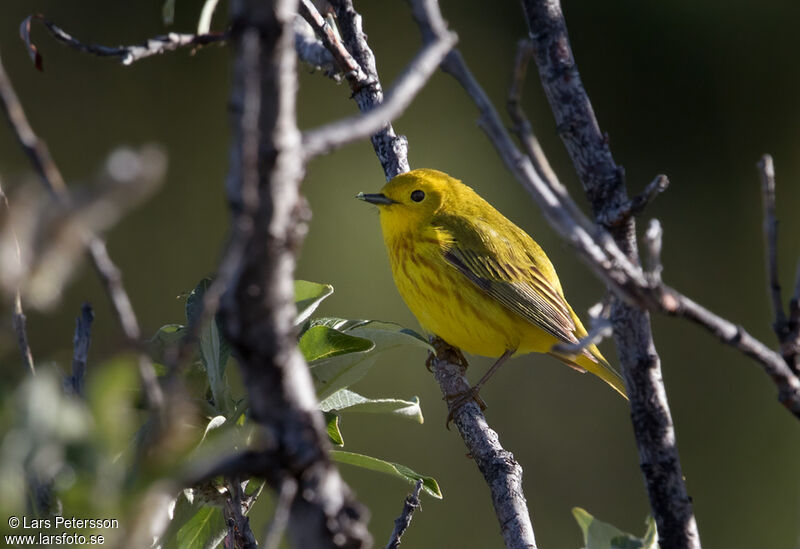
258 308
604 184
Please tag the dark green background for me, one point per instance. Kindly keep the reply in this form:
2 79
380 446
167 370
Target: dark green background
695 90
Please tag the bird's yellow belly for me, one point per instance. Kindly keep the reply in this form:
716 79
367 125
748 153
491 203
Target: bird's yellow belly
447 304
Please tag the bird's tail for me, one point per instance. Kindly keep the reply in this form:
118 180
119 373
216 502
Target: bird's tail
596 364
592 360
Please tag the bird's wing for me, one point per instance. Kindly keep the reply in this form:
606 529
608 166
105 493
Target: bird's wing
513 279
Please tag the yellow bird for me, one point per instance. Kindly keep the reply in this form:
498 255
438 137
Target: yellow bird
475 279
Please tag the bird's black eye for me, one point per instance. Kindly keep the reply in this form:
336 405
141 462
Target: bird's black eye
417 196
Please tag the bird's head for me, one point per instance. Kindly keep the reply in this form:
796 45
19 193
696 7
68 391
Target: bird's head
413 198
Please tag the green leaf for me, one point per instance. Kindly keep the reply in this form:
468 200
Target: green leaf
320 343
344 369
429 484
168 12
345 400
334 433
205 525
214 349
165 337
601 535
307 297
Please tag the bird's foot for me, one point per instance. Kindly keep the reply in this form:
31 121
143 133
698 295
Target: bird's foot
456 401
453 355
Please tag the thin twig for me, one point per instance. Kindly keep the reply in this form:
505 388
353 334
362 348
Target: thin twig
127 55
280 517
601 328
240 535
313 52
786 329
766 170
80 348
51 178
636 205
402 522
352 71
653 238
522 126
19 321
392 149
349 130
18 318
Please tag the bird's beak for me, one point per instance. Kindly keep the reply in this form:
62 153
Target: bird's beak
378 198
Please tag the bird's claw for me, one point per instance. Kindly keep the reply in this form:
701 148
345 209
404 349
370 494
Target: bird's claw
456 401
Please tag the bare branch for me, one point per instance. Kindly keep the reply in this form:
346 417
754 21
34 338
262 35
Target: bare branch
240 535
522 127
52 180
80 348
402 522
636 205
766 170
501 471
392 150
258 307
280 517
398 98
601 328
312 51
355 76
18 318
653 238
19 321
127 55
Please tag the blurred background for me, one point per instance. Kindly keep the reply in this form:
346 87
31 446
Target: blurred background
694 90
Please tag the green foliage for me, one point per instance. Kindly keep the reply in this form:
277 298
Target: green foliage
106 455
214 350
339 370
307 297
429 484
601 535
345 400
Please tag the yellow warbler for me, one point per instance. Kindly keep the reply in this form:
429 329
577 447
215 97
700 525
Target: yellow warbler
475 279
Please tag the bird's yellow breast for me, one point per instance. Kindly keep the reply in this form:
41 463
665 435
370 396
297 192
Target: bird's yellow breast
447 304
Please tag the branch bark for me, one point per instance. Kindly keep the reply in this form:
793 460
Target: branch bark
18 318
80 348
402 522
787 329
501 472
604 184
258 309
392 149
